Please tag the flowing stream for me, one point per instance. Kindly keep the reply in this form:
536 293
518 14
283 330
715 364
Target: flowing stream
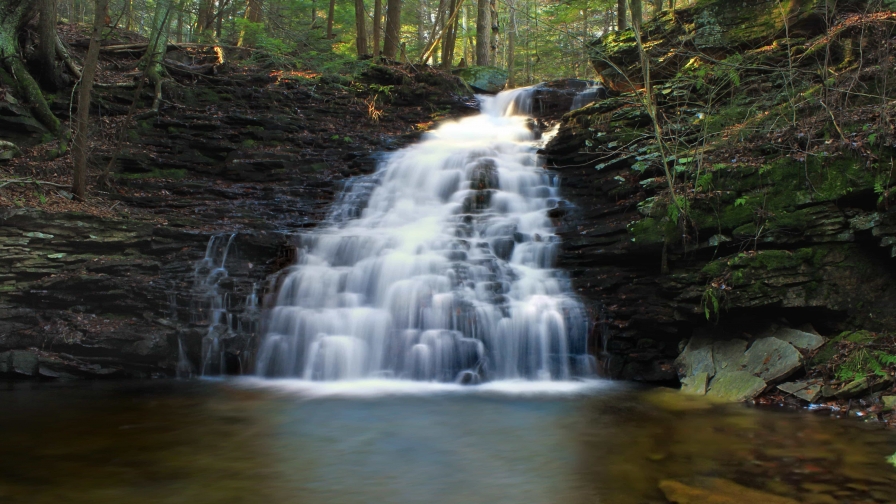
438 268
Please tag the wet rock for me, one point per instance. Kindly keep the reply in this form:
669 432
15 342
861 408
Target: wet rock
695 384
888 402
717 491
727 354
805 389
799 339
696 358
862 386
8 150
482 79
22 362
736 386
771 359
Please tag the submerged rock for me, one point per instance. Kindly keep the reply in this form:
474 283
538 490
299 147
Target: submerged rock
717 491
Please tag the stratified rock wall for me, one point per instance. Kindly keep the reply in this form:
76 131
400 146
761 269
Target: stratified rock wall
779 215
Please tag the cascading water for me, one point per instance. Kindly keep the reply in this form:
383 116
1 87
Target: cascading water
443 272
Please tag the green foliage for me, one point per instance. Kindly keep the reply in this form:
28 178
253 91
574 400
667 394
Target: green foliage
710 302
864 362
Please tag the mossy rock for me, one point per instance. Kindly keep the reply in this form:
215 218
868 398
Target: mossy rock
483 79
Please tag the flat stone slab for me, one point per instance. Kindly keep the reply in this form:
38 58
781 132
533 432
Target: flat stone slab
736 386
728 354
771 359
717 491
696 358
792 387
695 384
799 339
811 393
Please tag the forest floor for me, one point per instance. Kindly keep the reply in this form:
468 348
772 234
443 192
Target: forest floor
235 119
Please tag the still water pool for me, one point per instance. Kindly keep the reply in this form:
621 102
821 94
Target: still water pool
248 441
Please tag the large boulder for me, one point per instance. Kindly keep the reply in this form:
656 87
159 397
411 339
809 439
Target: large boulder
482 79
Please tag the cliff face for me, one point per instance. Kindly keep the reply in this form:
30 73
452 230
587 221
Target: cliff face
169 266
748 185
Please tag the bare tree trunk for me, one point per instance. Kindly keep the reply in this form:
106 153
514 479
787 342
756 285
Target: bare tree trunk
201 19
637 13
421 23
377 27
493 37
483 32
621 22
156 48
219 21
330 14
449 38
46 48
393 29
511 43
82 123
360 28
179 27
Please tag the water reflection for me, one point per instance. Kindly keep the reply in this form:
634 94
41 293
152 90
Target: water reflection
242 442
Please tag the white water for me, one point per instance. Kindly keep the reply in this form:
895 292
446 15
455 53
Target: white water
445 273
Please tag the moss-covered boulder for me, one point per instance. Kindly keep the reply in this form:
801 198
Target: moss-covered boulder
483 79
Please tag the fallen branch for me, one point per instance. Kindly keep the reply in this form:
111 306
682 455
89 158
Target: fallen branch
190 70
67 58
6 182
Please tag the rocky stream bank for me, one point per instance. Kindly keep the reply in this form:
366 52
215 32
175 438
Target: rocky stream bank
731 223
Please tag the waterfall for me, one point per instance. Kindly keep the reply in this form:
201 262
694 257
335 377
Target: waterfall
440 267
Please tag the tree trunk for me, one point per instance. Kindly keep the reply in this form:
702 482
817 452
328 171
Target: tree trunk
14 14
393 29
621 22
449 38
511 43
360 28
82 123
635 6
377 27
483 32
46 48
330 14
421 23
179 28
157 47
201 19
493 36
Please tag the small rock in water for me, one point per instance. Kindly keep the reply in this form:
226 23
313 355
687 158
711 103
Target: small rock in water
468 378
23 362
889 402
